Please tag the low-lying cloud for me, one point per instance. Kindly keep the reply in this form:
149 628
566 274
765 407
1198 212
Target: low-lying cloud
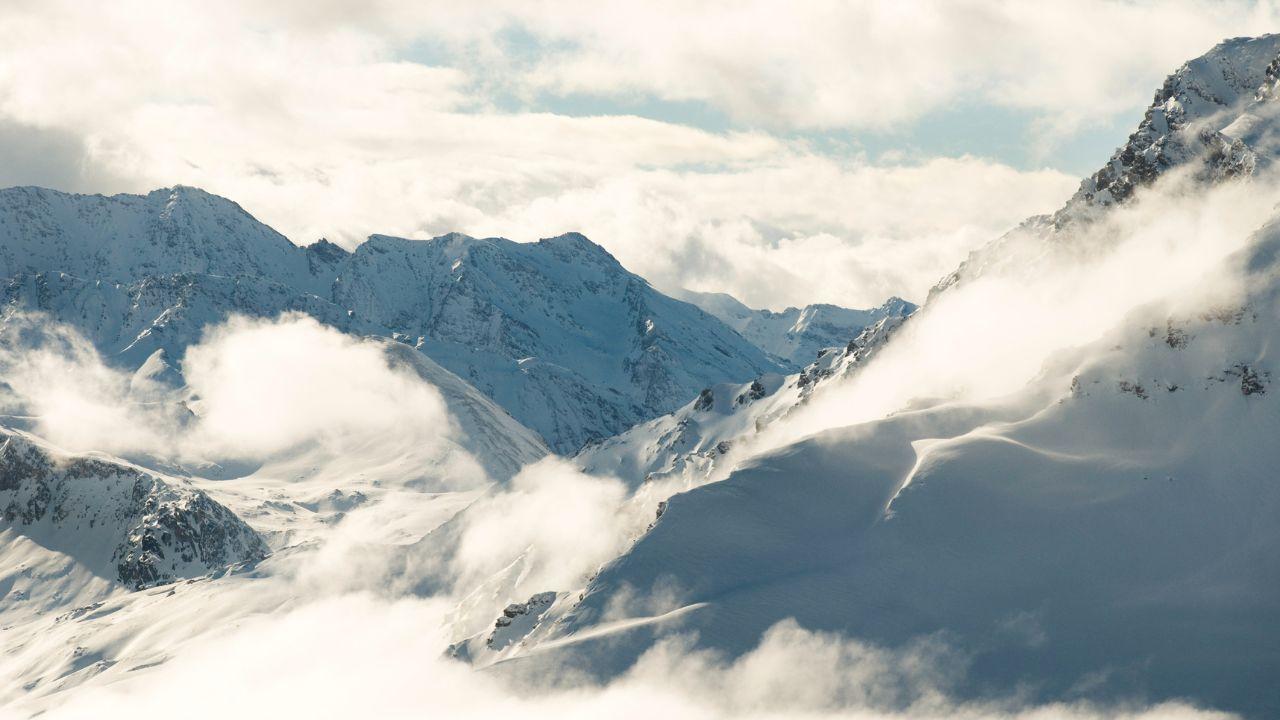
255 389
357 656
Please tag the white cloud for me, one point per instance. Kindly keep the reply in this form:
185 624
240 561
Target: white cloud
256 390
355 656
265 386
558 523
312 116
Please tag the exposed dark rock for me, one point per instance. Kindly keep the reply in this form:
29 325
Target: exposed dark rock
160 531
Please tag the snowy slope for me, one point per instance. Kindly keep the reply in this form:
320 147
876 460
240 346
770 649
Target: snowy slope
1110 528
1104 533
795 335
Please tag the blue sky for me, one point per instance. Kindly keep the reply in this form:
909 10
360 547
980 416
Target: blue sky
964 126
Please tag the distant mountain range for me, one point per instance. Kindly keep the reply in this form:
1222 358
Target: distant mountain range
556 332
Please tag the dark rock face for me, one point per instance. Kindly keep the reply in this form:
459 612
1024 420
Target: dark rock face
1252 382
158 531
706 400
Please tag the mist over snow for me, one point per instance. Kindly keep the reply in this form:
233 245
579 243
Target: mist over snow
531 433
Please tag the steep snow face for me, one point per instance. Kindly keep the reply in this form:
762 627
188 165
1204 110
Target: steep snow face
109 520
557 332
495 439
795 335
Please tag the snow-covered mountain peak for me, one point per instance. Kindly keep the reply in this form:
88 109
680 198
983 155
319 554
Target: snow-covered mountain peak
795 335
611 351
121 238
576 246
1215 118
142 273
1185 122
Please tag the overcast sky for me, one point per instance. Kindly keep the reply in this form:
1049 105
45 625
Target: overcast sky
783 152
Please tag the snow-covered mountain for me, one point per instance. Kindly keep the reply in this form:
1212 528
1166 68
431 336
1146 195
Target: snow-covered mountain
796 335
556 332
1106 528
1101 529
1214 118
1117 514
1195 124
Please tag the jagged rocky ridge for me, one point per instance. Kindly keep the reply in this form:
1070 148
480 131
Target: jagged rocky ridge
688 443
1214 117
121 522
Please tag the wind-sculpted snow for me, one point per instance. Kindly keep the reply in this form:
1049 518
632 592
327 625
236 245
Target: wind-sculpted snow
1112 527
1073 481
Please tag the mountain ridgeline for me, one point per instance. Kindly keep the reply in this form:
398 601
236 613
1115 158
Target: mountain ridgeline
556 332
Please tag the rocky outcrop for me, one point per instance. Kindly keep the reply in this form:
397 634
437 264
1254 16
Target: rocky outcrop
123 523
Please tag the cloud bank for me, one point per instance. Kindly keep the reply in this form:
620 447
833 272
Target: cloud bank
254 390
422 118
